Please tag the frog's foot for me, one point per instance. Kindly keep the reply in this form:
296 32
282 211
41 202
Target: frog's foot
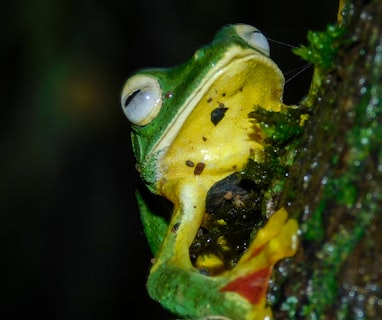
238 293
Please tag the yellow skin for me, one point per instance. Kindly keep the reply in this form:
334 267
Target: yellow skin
340 8
190 154
200 141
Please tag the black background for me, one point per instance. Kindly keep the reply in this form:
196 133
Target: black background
72 245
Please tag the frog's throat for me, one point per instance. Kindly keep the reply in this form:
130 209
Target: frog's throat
235 54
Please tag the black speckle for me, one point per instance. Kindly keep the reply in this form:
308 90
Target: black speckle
204 138
176 227
218 114
209 100
199 168
189 163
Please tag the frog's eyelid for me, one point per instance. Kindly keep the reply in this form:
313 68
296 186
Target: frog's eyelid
141 99
254 37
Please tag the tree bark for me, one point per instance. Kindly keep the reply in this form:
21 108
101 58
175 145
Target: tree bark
334 187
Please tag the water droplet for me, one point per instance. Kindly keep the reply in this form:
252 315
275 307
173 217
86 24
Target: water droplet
364 140
314 164
365 16
306 180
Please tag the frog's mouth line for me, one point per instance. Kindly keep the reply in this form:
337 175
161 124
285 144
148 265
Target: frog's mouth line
232 217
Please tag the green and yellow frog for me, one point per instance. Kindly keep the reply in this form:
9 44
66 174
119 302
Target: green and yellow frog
191 130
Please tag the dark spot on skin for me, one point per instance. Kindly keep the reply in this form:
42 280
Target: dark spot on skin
209 100
199 168
241 89
221 105
223 94
218 114
176 227
204 138
189 163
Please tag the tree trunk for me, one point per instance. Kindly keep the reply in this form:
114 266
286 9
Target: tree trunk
335 184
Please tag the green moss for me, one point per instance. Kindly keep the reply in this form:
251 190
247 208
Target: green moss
313 229
323 47
363 139
321 51
279 127
344 190
260 173
333 254
289 305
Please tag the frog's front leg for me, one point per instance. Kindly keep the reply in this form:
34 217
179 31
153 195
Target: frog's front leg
188 213
173 279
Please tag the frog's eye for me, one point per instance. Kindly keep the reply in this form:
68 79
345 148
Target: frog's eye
141 99
253 37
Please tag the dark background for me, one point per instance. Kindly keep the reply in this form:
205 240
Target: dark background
72 245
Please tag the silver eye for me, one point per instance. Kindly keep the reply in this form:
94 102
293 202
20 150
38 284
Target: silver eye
141 99
253 37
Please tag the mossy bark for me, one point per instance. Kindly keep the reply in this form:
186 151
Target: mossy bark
334 187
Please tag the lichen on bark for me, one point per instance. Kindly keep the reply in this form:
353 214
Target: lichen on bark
334 187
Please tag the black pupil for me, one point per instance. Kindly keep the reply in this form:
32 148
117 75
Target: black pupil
131 97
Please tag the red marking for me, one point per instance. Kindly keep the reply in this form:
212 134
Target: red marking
253 287
255 253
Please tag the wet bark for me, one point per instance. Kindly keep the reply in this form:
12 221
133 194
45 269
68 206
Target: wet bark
334 187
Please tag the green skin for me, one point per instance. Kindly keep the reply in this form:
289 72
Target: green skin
173 281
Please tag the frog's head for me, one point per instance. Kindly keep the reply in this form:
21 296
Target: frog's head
190 130
158 102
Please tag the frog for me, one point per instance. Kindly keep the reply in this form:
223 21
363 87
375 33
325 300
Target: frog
190 130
